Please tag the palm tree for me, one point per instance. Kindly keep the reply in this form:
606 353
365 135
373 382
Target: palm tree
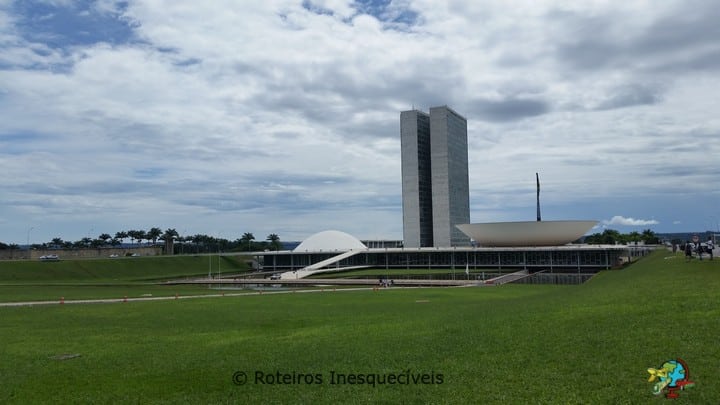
199 240
274 240
121 236
633 236
178 239
141 235
57 243
104 237
132 234
153 234
12 248
170 233
650 237
248 237
610 236
169 237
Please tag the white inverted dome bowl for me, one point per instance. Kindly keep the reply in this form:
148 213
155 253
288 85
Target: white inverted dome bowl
526 233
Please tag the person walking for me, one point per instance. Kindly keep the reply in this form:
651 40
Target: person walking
710 246
688 251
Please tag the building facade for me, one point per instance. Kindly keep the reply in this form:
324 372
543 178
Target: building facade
451 190
561 259
435 182
416 179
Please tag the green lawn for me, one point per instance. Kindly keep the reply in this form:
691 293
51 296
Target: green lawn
508 344
12 293
109 278
124 269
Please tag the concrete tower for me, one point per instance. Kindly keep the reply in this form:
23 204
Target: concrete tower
436 193
416 179
451 190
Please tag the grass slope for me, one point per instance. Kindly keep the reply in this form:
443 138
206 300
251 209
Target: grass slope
114 270
107 278
507 344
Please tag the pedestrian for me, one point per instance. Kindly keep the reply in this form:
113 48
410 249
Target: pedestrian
710 246
688 251
699 249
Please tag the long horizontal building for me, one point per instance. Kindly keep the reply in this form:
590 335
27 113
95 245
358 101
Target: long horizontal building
570 258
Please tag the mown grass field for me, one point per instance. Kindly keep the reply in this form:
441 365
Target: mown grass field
125 269
108 278
509 344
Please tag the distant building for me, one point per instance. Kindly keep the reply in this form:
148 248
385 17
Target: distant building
382 244
435 186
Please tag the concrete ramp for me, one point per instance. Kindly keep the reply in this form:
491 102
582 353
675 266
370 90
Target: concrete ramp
508 278
318 267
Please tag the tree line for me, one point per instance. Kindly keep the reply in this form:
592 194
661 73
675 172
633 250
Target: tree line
198 243
612 237
201 243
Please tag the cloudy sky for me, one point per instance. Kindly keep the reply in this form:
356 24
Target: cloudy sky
226 117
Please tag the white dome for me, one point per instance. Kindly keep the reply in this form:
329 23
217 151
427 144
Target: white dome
330 241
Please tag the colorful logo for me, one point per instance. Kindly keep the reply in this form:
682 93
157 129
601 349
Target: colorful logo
671 377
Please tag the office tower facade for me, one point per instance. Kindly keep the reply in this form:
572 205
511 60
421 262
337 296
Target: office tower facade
436 193
451 190
416 179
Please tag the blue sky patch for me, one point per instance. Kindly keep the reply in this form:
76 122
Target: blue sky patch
18 143
384 11
148 172
308 5
80 23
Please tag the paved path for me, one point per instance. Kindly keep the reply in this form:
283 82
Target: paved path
178 297
329 281
326 283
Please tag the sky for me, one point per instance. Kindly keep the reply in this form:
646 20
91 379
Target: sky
283 117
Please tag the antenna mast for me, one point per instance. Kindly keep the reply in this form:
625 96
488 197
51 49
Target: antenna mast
537 179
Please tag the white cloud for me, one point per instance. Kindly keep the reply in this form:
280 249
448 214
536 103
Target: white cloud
620 220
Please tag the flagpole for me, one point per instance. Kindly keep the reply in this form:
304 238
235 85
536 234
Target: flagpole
537 179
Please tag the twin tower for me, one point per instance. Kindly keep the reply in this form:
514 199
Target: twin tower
435 186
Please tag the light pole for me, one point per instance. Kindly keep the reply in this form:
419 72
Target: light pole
717 226
219 241
28 236
28 240
182 242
